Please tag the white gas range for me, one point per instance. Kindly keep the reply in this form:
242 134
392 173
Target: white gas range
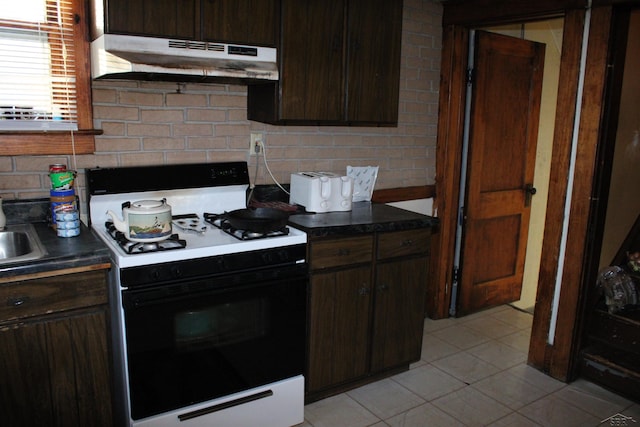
211 330
209 241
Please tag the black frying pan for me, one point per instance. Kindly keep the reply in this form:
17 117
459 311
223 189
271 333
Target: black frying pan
258 220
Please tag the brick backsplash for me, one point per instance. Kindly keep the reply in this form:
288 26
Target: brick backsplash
166 123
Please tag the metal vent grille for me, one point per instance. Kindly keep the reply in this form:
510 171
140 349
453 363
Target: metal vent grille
215 47
187 44
195 45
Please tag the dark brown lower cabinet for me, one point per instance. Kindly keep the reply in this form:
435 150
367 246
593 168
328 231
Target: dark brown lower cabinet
398 319
54 363
339 309
366 308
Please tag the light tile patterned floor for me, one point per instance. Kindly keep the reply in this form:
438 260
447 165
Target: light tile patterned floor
473 372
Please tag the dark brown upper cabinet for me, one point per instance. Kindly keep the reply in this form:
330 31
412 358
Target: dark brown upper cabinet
247 21
231 21
157 18
339 65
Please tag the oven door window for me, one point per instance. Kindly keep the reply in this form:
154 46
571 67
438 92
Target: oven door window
192 342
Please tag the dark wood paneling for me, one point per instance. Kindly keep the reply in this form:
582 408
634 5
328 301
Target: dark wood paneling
485 12
403 193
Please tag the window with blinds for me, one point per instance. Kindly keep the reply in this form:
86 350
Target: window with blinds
37 65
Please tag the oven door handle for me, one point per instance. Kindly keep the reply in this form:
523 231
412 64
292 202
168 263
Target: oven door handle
225 405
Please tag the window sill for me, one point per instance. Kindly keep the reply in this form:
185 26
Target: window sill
43 143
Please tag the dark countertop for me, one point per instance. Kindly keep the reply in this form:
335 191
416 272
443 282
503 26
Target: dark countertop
63 253
365 217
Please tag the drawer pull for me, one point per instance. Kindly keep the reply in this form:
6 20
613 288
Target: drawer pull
407 242
17 301
363 290
344 251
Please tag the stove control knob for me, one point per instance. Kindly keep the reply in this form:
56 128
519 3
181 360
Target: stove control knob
155 274
176 272
284 255
267 258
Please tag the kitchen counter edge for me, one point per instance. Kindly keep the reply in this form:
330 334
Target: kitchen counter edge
364 217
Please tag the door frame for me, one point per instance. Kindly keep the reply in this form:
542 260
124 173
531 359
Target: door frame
554 358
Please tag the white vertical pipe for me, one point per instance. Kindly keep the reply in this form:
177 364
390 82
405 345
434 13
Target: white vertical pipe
572 166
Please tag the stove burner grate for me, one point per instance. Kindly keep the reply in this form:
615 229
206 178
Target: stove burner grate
224 225
172 242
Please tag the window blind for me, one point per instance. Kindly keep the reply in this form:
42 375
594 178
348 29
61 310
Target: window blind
37 65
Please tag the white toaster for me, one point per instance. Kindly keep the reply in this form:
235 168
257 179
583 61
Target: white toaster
321 191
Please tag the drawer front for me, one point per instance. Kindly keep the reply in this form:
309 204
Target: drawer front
35 297
403 243
338 252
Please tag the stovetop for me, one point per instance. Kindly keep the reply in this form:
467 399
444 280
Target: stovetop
214 188
172 242
212 242
225 225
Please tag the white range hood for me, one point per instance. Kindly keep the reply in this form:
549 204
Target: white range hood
150 58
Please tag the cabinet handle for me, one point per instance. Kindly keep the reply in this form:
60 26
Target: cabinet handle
383 287
17 301
343 251
407 242
364 290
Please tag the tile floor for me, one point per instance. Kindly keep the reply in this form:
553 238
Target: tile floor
473 372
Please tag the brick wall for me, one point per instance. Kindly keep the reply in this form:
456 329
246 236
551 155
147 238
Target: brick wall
165 123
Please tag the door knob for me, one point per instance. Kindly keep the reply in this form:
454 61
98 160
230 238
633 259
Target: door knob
529 191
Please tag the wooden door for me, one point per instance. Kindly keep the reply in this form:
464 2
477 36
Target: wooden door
507 86
374 32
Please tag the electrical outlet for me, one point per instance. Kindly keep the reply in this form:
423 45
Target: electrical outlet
256 143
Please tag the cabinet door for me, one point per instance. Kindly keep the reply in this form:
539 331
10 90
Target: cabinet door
373 68
398 312
311 77
25 394
56 373
339 322
240 21
161 18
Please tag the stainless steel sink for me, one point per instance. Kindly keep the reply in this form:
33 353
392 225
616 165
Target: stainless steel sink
20 243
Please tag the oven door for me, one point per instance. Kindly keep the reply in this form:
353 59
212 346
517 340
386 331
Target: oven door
194 341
